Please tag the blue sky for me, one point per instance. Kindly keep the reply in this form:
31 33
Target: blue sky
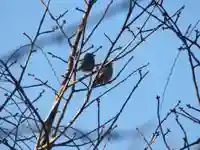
159 50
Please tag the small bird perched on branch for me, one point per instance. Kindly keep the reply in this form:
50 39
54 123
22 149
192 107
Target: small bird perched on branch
105 74
88 63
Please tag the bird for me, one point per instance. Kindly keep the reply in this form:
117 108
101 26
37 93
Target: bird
88 63
105 74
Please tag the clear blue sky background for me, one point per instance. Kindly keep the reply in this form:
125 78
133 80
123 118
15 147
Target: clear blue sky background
160 50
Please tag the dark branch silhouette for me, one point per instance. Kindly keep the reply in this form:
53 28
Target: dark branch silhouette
58 37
